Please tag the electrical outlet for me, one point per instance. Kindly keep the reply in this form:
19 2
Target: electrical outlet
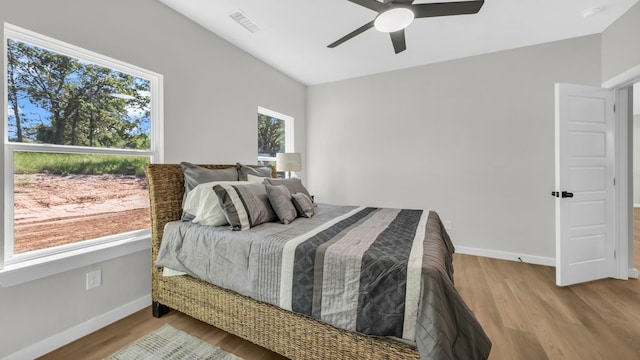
94 279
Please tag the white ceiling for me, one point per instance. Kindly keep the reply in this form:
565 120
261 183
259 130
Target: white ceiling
295 33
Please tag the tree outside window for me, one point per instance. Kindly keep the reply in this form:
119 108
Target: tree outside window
275 135
271 136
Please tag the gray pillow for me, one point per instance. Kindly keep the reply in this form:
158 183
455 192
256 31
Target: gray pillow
246 205
303 205
280 199
293 185
194 175
243 170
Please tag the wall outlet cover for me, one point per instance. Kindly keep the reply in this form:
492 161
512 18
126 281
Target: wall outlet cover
94 279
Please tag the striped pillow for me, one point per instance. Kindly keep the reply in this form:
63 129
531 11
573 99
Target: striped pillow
246 205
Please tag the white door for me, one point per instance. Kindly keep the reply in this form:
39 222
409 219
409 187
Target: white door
585 242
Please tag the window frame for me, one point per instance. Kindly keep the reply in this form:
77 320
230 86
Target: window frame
9 260
288 131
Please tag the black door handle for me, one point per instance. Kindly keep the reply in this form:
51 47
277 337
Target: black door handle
564 194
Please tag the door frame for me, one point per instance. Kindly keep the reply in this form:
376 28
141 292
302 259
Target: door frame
623 227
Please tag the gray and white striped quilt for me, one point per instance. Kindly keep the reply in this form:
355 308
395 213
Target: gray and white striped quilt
376 271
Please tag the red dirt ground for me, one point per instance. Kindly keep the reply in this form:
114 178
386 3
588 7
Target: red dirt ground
53 210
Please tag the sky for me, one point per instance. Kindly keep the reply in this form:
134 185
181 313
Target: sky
33 114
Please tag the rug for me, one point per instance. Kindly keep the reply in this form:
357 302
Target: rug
169 343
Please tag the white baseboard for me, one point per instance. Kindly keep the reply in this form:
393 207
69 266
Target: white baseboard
51 343
633 273
636 205
503 255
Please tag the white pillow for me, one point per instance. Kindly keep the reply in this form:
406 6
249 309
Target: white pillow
202 203
254 178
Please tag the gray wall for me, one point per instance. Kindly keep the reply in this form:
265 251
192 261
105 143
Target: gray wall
471 138
212 91
621 45
37 310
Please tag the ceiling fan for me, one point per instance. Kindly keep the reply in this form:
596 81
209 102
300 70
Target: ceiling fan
395 15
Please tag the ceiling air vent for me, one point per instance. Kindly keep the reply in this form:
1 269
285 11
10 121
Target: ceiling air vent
242 19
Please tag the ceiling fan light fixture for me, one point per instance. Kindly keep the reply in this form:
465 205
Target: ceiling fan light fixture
394 19
590 12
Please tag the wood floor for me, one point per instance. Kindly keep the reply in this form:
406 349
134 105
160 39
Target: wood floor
522 310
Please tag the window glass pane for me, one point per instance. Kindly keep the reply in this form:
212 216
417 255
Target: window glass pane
80 127
66 198
271 136
57 99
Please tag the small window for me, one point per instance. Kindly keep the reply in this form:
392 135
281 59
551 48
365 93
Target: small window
275 135
79 129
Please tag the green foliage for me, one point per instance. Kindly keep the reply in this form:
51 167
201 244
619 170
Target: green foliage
270 135
66 164
84 104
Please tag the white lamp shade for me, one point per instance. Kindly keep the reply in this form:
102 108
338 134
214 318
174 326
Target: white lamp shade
393 19
288 162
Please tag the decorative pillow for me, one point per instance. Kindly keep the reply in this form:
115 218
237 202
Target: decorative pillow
202 202
244 170
195 175
280 199
294 185
245 205
303 204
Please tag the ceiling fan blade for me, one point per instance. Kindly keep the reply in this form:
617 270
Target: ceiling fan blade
398 40
352 34
371 4
404 2
446 9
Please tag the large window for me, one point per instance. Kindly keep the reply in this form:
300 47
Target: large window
275 134
79 128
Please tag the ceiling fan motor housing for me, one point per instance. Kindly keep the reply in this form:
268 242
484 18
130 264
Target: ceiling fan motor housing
394 19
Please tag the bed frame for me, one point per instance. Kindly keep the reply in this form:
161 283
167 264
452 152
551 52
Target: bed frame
292 335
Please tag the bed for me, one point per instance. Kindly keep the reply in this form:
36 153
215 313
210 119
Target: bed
450 332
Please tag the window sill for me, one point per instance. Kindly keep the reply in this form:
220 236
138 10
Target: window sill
47 266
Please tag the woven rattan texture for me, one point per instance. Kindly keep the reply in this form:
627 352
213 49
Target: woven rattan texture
292 335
